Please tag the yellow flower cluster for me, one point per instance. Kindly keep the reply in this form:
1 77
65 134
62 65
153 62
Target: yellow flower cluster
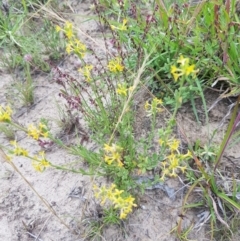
113 153
76 47
73 44
18 151
86 71
123 27
184 68
154 106
174 161
5 114
115 65
37 132
39 162
123 90
117 198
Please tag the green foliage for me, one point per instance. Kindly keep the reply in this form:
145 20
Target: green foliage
19 33
7 130
206 33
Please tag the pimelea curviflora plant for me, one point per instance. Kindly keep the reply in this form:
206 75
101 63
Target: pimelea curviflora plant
108 113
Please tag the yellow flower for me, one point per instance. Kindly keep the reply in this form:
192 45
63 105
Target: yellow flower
74 45
122 215
147 106
86 71
176 76
79 48
122 28
184 69
68 30
173 161
187 155
58 28
104 193
5 114
154 107
189 69
130 201
117 192
114 196
108 160
156 103
165 172
161 142
113 157
183 168
35 132
107 148
176 72
125 205
18 151
122 89
174 69
173 173
43 160
174 145
113 154
37 166
171 166
69 48
68 25
183 61
40 163
115 65
112 148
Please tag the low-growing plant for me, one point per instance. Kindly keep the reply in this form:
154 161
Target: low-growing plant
19 31
25 86
7 130
120 157
66 121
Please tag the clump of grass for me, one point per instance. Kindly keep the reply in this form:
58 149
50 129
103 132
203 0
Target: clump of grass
19 31
7 130
25 87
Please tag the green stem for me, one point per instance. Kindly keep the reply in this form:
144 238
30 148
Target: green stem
29 86
24 6
178 100
231 127
76 171
18 126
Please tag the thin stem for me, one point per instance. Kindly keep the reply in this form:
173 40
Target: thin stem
231 128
